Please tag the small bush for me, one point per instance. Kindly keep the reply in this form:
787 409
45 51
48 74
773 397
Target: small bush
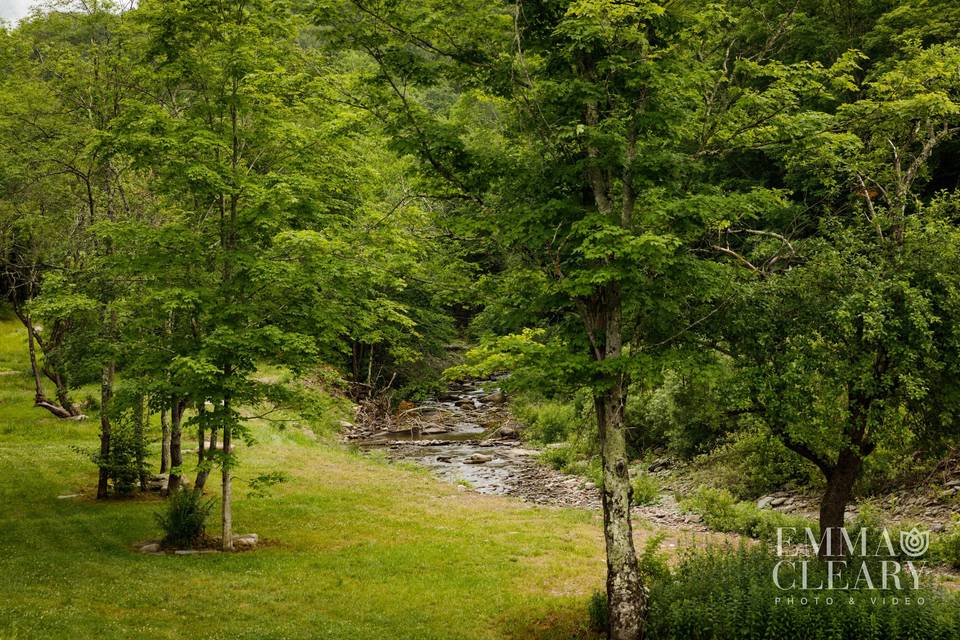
184 521
557 457
756 463
548 421
598 611
646 489
721 512
121 464
946 547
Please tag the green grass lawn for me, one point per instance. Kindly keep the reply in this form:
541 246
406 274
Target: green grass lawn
359 549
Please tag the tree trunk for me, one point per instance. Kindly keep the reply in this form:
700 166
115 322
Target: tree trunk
139 434
176 457
205 459
106 398
39 398
63 396
840 480
626 598
625 593
164 441
37 381
227 488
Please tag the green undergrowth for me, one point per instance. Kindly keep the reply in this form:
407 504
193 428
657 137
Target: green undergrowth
721 511
728 593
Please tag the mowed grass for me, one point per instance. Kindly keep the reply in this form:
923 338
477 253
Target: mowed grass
358 548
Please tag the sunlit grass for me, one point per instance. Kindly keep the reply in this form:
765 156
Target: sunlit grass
357 548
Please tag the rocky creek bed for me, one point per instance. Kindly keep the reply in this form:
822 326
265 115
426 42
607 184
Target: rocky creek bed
467 436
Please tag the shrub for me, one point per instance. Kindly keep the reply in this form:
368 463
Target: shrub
946 547
724 593
121 463
548 421
757 463
721 511
598 611
646 489
184 521
557 457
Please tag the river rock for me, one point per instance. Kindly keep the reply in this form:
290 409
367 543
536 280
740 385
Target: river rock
522 453
478 458
765 502
430 431
776 502
497 397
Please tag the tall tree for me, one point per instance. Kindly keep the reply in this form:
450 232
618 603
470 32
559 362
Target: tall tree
585 141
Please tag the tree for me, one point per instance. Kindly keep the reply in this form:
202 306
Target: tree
842 341
584 143
234 148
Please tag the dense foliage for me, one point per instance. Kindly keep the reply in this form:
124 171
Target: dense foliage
725 228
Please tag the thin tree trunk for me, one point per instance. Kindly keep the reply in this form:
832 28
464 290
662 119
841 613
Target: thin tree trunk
63 396
37 380
106 399
176 456
164 441
227 484
139 433
203 471
40 399
840 480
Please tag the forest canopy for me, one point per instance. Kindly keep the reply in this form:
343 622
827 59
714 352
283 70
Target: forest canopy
699 223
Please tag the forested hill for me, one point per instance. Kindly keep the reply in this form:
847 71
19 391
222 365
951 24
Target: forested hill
676 227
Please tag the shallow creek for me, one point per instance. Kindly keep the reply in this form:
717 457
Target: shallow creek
466 435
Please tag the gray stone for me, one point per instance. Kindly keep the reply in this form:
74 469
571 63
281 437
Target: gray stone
152 547
246 541
478 458
429 431
497 397
776 502
523 452
765 502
